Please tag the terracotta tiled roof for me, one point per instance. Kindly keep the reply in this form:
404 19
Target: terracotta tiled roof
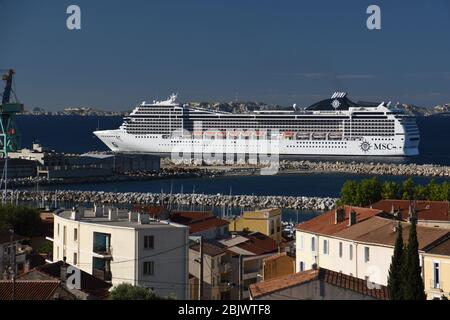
5 236
197 221
28 289
331 277
283 282
258 243
325 223
89 283
210 249
425 210
277 256
380 230
153 211
442 249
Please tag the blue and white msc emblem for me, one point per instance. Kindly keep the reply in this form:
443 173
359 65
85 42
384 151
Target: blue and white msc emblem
365 146
335 104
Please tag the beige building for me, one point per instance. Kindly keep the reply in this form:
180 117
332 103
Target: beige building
277 265
216 272
267 221
120 246
356 241
436 263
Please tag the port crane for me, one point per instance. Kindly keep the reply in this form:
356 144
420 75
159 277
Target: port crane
9 135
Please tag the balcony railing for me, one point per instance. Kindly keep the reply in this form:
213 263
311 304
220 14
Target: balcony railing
102 274
101 250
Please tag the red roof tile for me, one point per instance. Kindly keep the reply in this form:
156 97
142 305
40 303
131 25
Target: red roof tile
425 210
331 277
197 221
258 243
28 289
325 223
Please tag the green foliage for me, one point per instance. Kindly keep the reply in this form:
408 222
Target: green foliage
395 270
24 220
368 191
46 248
126 291
412 283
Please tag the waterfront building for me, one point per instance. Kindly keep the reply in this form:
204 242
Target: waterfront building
317 284
356 241
119 246
428 213
265 221
436 262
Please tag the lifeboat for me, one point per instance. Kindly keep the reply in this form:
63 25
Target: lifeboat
303 135
319 135
335 135
288 134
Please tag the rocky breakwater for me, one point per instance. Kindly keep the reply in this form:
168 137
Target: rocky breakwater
207 200
411 169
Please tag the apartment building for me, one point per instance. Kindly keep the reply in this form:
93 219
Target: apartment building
9 247
216 271
356 241
436 263
120 246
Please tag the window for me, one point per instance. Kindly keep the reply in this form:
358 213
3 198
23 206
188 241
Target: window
302 266
75 234
340 249
366 254
301 242
350 251
213 263
149 242
149 268
75 258
57 229
313 243
325 246
436 275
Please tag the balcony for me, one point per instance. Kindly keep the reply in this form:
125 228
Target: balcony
102 274
436 286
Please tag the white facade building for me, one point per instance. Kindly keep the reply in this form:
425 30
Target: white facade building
359 244
121 246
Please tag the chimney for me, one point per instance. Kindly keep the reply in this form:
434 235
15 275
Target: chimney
412 216
339 215
392 209
143 218
352 218
112 214
98 212
75 214
63 270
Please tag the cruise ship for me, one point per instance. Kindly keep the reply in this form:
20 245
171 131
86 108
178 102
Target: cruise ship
335 126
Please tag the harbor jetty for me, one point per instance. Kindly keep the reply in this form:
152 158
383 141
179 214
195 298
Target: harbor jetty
393 169
191 199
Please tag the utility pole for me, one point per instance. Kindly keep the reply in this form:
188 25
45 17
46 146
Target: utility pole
13 268
240 277
200 286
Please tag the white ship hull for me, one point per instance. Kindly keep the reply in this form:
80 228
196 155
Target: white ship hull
120 141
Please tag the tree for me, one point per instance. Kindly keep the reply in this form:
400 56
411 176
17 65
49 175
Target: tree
412 283
126 291
349 192
369 191
390 190
24 220
408 189
395 270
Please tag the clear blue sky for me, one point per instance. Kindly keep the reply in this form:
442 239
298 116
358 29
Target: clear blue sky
216 50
